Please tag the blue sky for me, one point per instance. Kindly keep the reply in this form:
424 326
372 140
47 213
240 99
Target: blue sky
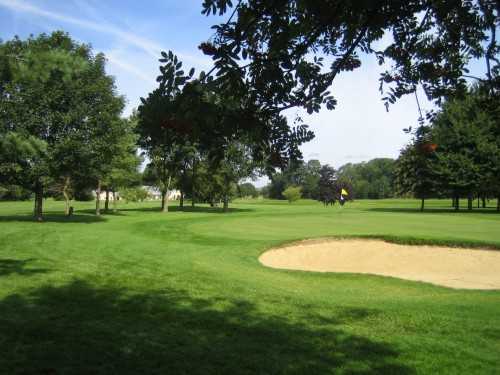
128 32
132 34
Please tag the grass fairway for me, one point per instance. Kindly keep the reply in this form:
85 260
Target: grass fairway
141 292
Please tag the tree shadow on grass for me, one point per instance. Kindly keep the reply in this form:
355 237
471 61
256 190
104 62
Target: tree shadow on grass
51 217
433 210
104 213
18 267
196 209
80 329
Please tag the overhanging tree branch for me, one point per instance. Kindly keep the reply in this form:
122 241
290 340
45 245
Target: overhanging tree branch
331 75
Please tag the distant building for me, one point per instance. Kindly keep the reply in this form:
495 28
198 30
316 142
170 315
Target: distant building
102 196
155 193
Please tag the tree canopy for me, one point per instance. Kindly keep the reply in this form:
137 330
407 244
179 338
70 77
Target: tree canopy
372 179
457 155
428 43
61 129
283 54
292 193
58 110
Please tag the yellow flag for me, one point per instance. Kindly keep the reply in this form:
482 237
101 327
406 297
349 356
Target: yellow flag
344 192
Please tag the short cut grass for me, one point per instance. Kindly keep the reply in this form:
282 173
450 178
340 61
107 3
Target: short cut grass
140 291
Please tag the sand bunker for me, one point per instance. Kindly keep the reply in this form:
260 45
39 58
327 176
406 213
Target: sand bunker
451 267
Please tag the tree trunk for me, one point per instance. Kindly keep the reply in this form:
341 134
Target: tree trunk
164 196
457 203
422 204
38 211
193 187
226 203
484 202
66 196
106 202
469 202
478 202
164 201
181 202
114 201
98 198
453 202
498 204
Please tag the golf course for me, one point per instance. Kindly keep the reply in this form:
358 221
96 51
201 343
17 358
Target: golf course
141 291
222 187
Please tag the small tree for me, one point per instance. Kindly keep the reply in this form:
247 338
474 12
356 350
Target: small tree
236 165
292 193
327 187
123 171
136 194
247 189
161 127
415 173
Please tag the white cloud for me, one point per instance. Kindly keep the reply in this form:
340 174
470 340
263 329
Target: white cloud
132 59
148 46
120 62
360 129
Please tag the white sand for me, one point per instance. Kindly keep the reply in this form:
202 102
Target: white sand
451 267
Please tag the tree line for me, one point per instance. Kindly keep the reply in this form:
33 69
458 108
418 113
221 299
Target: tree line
61 124
62 130
457 155
366 180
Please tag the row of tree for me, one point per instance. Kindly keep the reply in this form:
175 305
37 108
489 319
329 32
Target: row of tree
331 187
266 61
305 175
373 179
60 121
366 180
458 154
61 130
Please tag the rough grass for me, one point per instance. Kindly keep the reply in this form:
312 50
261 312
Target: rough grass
183 293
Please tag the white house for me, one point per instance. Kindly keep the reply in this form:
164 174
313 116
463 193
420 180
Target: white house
102 196
155 193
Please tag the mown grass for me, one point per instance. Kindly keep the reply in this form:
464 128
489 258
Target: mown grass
183 293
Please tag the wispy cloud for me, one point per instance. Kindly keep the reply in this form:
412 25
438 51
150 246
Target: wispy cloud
150 47
122 64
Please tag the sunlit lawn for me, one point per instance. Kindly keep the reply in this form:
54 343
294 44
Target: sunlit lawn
142 292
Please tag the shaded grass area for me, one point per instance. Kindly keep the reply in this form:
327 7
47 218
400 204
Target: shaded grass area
436 210
56 218
140 291
19 267
80 328
195 209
